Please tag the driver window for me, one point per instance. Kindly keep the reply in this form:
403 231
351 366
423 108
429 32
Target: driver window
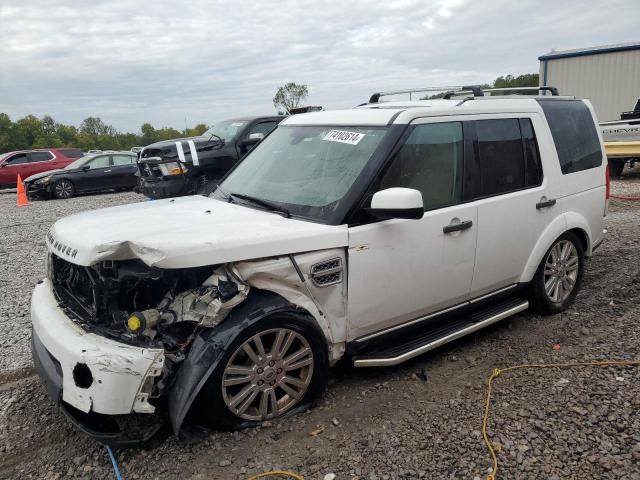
18 159
430 161
100 162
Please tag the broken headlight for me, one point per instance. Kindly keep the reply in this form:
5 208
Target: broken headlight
172 168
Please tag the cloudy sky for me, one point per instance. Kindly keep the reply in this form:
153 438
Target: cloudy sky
165 61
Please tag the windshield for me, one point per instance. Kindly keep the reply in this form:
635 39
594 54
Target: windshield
227 131
307 169
3 156
79 162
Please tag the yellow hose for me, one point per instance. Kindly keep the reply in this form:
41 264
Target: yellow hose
497 372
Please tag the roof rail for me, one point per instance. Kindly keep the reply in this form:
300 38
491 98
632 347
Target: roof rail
375 98
553 90
450 91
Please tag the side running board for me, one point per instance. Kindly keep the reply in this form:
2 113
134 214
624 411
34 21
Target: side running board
388 355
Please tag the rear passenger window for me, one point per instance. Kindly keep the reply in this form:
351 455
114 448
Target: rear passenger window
501 156
574 134
430 161
40 156
122 159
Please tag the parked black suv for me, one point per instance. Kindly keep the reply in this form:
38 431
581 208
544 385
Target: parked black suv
186 166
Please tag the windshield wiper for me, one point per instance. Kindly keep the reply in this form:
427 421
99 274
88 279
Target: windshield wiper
219 141
264 203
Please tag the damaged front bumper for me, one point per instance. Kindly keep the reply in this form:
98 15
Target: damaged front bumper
155 183
88 375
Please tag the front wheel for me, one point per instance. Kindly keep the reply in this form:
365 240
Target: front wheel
559 275
272 368
63 189
205 185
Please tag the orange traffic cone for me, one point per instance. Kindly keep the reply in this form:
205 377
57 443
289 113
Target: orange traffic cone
22 196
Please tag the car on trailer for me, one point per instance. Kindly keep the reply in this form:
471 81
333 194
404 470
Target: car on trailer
371 235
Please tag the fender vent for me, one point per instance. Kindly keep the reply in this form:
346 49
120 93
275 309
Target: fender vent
327 273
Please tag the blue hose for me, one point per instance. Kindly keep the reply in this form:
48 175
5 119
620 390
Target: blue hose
115 463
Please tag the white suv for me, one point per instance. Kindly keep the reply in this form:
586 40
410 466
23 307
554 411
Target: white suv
373 234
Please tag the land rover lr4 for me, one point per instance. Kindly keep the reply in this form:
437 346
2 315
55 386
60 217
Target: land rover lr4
372 234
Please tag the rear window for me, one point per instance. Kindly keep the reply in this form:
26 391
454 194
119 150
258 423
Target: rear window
71 152
574 134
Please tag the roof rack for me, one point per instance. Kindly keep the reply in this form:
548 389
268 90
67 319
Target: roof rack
451 91
553 90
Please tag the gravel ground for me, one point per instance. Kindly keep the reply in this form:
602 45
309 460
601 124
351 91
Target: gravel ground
418 420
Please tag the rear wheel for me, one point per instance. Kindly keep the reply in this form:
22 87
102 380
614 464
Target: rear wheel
271 368
63 189
559 275
616 167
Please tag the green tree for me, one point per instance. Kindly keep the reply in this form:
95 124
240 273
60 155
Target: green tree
6 136
26 131
195 131
509 81
290 95
148 134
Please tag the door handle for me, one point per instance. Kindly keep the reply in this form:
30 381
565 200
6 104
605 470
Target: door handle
457 227
106 171
546 203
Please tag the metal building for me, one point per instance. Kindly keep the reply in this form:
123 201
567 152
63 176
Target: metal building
609 76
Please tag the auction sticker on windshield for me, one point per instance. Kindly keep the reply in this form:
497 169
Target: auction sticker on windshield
342 136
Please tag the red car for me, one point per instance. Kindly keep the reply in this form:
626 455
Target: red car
29 162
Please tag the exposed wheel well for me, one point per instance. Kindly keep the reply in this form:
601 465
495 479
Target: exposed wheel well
582 235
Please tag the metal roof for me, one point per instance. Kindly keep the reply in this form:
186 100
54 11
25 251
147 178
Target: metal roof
581 52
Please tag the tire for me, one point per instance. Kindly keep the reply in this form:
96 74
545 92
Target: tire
205 185
549 296
221 405
63 189
616 167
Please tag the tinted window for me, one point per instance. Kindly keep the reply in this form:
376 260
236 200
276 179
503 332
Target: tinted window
100 162
430 161
123 159
71 152
501 157
264 128
17 159
574 134
40 156
533 172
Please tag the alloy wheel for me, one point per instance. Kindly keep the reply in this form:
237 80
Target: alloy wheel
268 374
561 270
63 189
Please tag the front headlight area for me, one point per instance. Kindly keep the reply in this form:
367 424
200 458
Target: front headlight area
43 180
171 169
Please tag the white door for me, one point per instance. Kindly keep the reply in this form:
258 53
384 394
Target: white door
400 270
519 198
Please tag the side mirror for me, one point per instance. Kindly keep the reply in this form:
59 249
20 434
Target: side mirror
85 168
253 139
397 202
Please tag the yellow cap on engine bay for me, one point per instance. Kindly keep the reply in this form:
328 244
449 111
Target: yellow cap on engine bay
134 323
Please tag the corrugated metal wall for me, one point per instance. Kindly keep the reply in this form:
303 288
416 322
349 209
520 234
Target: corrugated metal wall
610 80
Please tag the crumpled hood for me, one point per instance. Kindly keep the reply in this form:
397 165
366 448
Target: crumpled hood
43 174
169 148
186 232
